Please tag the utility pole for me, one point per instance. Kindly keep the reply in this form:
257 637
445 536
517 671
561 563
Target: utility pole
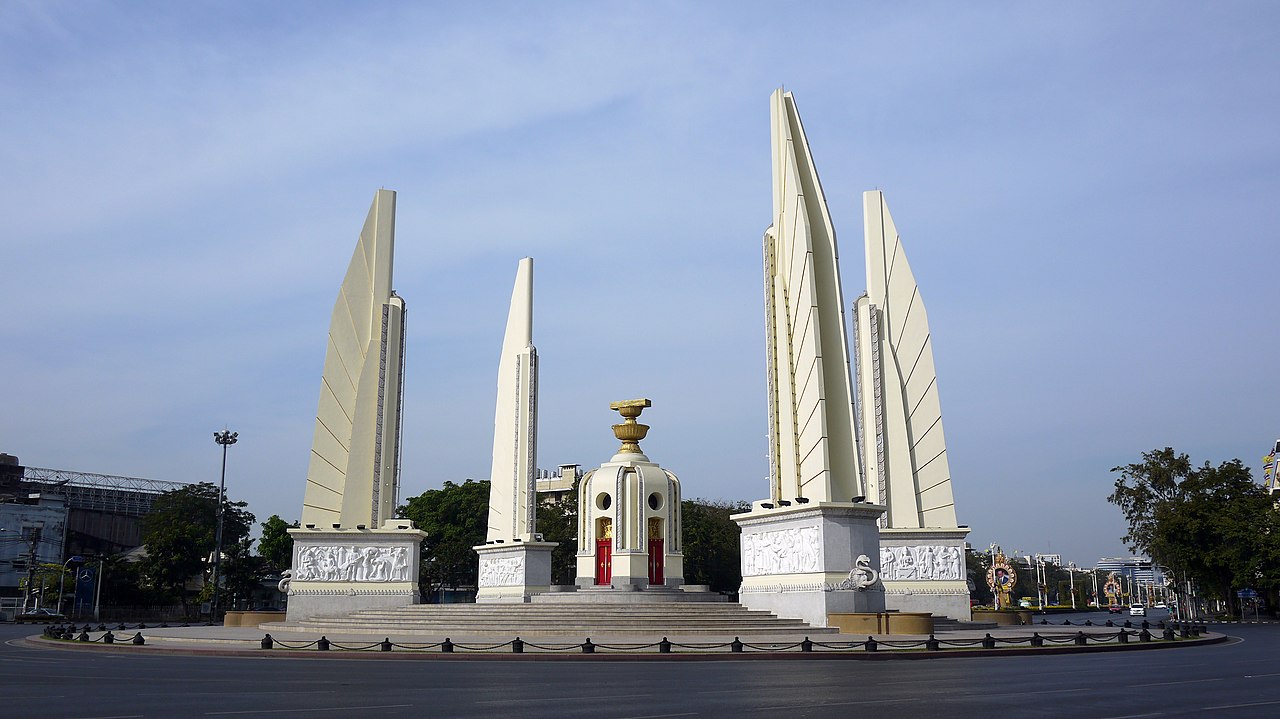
31 568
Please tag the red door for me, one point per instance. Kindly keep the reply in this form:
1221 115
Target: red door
604 561
655 561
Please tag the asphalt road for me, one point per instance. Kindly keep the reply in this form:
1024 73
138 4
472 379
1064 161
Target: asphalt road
1240 679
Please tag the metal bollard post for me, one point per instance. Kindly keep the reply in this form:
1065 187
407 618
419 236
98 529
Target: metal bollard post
1168 634
988 642
588 647
932 644
736 645
1081 639
446 646
1037 640
322 644
1110 623
664 646
806 645
1145 636
268 642
108 638
138 640
870 645
1123 636
84 636
517 646
386 645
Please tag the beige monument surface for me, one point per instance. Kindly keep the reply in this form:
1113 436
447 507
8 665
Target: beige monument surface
514 563
807 551
351 553
904 450
355 454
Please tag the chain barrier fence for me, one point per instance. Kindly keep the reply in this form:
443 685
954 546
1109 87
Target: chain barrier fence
1171 632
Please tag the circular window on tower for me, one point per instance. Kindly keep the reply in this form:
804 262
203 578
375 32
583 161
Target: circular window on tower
655 501
603 500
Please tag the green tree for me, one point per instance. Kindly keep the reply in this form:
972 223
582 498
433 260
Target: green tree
455 518
276 546
179 536
1213 525
976 566
711 539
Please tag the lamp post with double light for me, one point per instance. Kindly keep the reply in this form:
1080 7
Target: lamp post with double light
225 438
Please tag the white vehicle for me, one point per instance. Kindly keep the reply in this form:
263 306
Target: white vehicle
1161 605
1137 610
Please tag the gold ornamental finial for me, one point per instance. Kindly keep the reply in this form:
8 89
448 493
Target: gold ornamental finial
630 431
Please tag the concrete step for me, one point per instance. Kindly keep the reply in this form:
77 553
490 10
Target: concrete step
563 618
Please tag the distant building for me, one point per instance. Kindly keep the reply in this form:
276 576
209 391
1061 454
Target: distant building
1269 473
1140 570
102 513
32 532
556 486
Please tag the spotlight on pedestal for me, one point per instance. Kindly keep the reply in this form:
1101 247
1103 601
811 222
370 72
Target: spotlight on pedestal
767 505
859 499
337 526
802 500
784 503
311 526
361 526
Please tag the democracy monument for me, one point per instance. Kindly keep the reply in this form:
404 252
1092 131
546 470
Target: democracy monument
859 517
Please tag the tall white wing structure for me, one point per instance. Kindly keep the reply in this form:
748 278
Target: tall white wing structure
905 451
812 450
512 487
353 475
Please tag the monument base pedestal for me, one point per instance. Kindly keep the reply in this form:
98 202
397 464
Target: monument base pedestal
799 561
923 570
513 572
338 571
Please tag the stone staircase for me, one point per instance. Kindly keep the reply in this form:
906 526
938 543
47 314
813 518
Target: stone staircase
562 617
947 624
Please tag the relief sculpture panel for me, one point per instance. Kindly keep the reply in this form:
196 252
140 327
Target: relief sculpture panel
927 562
351 564
783 551
501 571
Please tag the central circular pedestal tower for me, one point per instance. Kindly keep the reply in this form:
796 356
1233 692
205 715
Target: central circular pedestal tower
629 516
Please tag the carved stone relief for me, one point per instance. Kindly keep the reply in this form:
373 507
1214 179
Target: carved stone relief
502 571
782 551
927 562
352 564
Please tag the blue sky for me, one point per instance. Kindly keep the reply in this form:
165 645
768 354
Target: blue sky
1086 192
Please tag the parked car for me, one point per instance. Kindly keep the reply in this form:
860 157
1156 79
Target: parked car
1137 610
1161 605
1115 609
47 616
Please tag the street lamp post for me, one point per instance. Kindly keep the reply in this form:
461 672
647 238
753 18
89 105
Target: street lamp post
1071 567
62 585
225 438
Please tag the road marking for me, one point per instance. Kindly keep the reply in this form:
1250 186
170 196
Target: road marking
1060 691
120 716
1255 676
1165 684
1237 706
662 716
307 709
565 699
1136 716
832 704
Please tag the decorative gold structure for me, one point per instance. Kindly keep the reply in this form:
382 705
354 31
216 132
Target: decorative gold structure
630 431
1002 578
